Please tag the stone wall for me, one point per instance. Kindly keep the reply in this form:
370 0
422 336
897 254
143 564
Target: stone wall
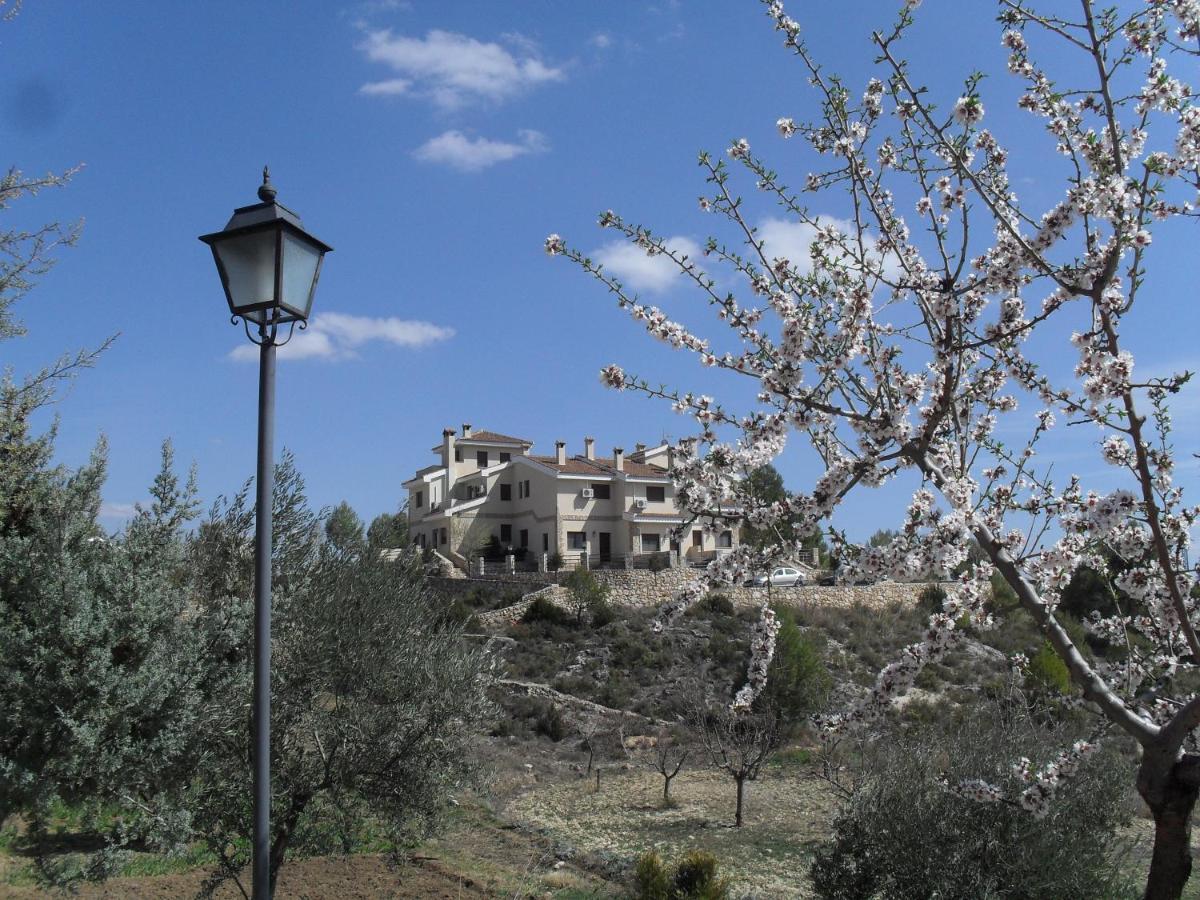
457 587
638 589
496 617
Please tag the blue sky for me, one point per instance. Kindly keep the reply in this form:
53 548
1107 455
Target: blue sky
434 145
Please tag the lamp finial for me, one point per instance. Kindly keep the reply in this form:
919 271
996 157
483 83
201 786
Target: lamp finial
266 192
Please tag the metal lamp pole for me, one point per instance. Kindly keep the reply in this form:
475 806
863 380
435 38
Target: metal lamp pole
269 266
264 484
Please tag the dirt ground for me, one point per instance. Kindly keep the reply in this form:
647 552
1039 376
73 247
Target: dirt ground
476 856
786 815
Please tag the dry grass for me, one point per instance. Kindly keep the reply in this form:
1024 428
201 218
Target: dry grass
787 814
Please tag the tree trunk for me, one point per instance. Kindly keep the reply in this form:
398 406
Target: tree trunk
283 837
667 789
741 795
1170 790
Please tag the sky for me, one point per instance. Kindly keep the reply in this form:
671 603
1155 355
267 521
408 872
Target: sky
434 145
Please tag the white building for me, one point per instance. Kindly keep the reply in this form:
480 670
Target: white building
487 485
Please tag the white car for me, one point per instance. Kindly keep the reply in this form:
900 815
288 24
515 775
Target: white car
781 576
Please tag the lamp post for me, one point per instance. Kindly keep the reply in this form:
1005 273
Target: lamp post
269 267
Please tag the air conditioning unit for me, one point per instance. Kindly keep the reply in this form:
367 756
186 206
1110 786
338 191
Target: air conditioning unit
640 503
587 493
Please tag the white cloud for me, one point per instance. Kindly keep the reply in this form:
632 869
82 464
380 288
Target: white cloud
455 149
117 510
392 87
630 263
452 69
793 241
600 40
335 336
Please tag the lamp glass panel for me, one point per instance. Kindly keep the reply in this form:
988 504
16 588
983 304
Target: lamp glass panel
249 263
300 261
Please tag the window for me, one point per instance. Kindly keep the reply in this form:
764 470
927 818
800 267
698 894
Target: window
651 543
545 542
656 494
524 537
576 540
506 492
726 539
506 534
505 457
526 487
602 491
697 538
481 458
457 455
419 500
444 541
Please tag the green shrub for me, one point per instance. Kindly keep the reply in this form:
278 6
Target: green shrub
931 598
901 835
693 878
696 876
798 682
651 879
714 604
549 723
554 561
543 609
603 613
1048 672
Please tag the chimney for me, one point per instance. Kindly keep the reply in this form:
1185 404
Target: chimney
466 429
448 460
560 452
589 448
639 448
618 459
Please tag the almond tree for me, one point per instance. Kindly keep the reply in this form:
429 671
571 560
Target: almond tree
931 320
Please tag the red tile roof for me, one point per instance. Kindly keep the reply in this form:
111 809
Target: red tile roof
495 438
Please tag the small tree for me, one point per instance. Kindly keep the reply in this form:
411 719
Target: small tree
798 681
738 743
585 594
668 755
344 529
388 531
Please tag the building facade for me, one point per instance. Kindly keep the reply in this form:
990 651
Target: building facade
488 489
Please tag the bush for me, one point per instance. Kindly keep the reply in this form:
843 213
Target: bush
694 878
931 598
1047 672
651 879
715 604
603 613
554 561
543 609
549 722
902 836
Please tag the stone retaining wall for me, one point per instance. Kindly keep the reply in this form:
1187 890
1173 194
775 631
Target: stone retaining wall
496 617
640 590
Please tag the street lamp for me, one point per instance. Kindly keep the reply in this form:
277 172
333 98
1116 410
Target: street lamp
269 267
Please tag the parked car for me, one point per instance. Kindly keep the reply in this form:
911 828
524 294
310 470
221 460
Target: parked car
781 576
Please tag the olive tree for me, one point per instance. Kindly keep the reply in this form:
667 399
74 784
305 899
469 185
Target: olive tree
375 696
